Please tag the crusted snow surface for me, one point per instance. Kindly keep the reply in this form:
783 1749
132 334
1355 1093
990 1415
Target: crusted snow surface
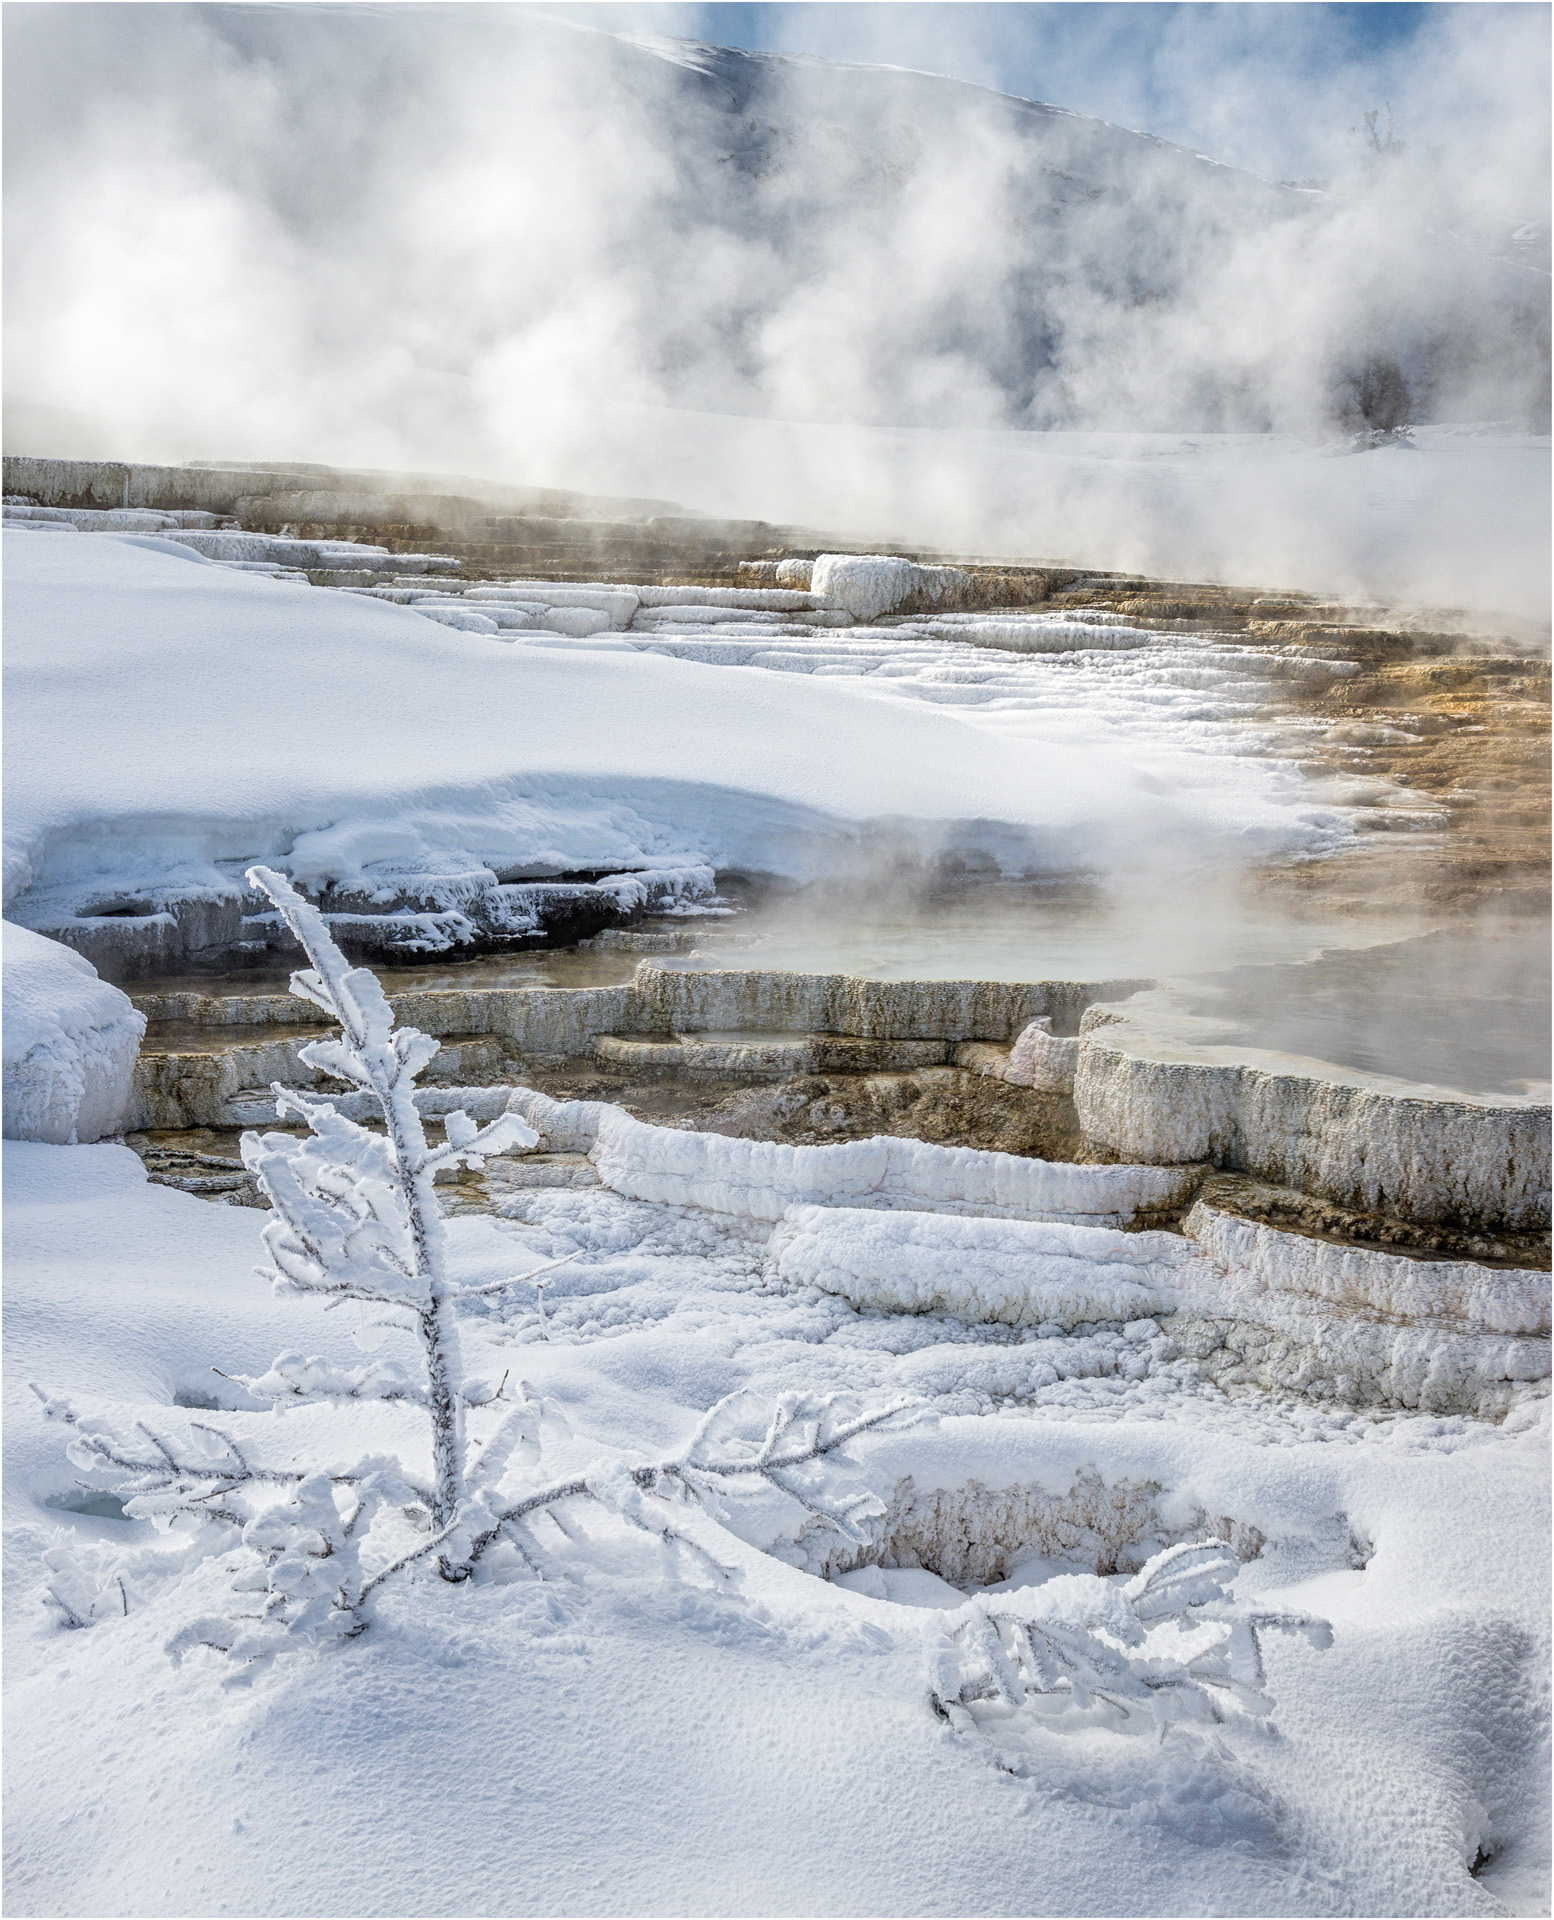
901 1226
590 1707
70 1044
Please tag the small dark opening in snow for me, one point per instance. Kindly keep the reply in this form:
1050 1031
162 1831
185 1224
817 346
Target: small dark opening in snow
227 1399
197 1397
90 1504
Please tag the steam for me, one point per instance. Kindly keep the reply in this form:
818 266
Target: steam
494 241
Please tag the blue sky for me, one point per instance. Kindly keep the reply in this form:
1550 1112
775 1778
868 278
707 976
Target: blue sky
1277 87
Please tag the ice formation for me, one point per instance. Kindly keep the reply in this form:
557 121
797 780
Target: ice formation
70 1044
1020 1272
867 585
1041 1061
1248 1301
1458 1294
761 1179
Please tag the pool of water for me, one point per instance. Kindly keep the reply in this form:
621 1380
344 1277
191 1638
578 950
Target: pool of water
541 967
1023 931
190 1036
1462 1007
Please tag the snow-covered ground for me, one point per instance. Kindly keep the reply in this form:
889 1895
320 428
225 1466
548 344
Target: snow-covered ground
70 1043
630 1725
166 713
175 712
637 1733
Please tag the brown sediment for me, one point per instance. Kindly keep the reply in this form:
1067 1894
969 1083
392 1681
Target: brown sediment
946 1106
1295 1212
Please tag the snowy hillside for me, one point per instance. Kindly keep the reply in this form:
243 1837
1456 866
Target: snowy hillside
1047 269
686 227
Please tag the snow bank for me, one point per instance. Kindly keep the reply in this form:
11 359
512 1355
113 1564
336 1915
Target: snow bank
1023 1273
461 619
287 552
138 689
70 1044
1427 1546
761 1179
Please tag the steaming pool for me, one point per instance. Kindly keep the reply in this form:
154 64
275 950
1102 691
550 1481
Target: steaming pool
1463 1007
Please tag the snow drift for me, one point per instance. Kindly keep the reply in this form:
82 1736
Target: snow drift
533 759
1022 1273
70 1044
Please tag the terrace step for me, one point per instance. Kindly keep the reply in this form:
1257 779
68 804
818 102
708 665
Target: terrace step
193 1076
764 1056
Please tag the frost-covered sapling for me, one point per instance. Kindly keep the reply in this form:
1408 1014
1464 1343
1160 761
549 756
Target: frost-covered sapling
356 1221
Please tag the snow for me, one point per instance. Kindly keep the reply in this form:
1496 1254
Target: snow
761 1179
1085 1398
461 619
1022 1273
868 585
70 1043
555 754
588 1712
